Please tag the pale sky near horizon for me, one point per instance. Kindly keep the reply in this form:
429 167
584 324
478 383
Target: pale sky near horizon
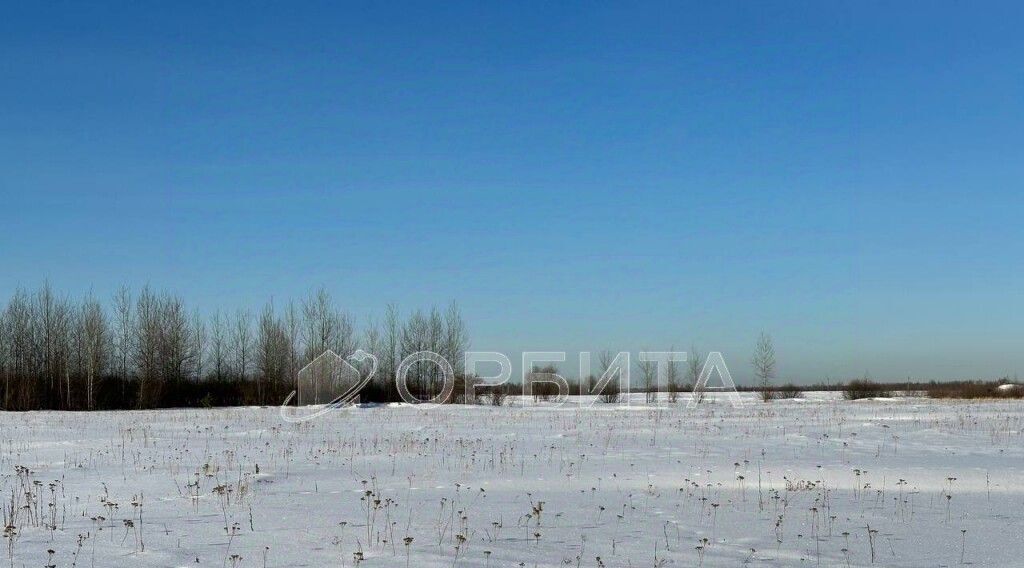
844 176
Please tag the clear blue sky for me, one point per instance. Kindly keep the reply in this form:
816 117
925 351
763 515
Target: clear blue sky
847 177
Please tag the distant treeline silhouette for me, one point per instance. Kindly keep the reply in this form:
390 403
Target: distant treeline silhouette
149 350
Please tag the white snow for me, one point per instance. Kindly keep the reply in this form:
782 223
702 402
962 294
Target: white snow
790 483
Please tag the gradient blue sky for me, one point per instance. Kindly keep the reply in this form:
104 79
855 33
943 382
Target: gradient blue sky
845 176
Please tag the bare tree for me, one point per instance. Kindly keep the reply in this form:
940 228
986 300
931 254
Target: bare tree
542 383
317 324
268 366
694 366
163 344
649 375
273 347
325 328
611 392
95 342
242 343
146 343
372 343
764 365
672 379
123 310
5 354
176 346
435 344
53 320
219 346
345 339
198 345
293 327
456 339
391 345
415 338
76 354
22 352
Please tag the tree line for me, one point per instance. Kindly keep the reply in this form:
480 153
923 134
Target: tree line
149 350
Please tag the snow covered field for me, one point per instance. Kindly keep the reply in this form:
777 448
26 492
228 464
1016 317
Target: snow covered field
791 483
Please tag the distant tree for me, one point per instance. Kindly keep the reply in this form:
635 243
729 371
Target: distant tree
273 352
610 393
764 365
672 379
162 344
435 344
649 375
325 327
694 366
199 345
219 346
54 327
22 349
293 328
391 346
456 338
95 346
416 337
541 382
146 342
242 343
372 343
177 347
5 355
125 325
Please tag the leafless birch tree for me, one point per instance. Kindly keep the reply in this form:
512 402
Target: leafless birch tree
764 365
95 345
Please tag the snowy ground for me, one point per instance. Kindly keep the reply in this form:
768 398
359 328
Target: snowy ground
792 483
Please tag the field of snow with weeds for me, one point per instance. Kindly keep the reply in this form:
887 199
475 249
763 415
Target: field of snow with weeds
809 482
